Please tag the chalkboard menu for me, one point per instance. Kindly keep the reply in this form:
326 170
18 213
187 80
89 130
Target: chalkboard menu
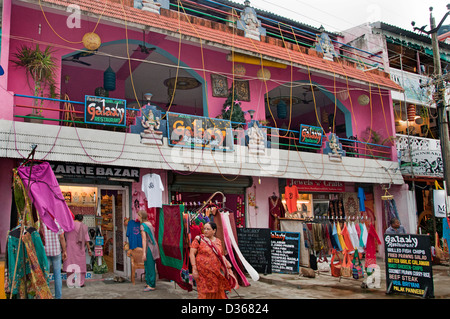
254 244
408 264
285 250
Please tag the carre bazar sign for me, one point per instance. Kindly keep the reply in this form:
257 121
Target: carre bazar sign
80 170
105 110
311 135
306 185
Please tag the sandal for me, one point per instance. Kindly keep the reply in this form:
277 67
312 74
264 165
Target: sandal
148 288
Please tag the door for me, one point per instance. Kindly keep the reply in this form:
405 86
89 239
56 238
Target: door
113 210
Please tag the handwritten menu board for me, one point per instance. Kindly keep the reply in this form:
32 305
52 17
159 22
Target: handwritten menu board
254 244
408 264
285 250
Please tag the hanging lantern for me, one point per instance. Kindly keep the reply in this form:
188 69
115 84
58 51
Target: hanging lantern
263 74
109 79
411 112
281 109
91 41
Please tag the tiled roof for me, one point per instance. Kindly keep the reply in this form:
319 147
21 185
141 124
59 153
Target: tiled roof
203 29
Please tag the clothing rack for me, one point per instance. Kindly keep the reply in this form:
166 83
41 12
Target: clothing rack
206 203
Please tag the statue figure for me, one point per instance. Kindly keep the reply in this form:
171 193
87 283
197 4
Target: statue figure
150 123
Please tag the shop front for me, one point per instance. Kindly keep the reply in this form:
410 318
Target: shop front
195 189
101 195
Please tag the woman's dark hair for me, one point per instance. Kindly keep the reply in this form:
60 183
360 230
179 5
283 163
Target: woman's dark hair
79 217
213 225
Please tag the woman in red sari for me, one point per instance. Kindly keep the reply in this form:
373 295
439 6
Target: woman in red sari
209 267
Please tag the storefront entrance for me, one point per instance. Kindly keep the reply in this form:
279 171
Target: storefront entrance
104 208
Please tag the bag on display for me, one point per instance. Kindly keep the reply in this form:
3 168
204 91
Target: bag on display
335 264
346 269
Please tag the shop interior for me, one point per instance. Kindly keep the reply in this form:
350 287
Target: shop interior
104 218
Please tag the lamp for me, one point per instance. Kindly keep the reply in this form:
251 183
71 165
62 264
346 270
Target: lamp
281 109
251 112
148 97
109 79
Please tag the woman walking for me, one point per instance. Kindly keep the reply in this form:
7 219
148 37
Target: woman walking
150 250
209 267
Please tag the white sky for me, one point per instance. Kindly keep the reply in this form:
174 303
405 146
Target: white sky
339 15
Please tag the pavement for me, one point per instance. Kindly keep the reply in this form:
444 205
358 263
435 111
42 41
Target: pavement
270 286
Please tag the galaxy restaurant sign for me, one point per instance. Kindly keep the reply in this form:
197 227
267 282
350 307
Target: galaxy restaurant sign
199 132
104 110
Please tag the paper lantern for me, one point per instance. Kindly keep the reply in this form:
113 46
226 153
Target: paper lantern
263 74
109 79
411 112
281 109
91 41
363 99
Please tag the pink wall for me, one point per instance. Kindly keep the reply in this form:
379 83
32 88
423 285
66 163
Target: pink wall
6 166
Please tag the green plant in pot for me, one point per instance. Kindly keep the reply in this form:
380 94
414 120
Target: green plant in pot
40 67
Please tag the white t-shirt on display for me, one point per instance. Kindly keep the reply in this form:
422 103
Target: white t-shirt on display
152 188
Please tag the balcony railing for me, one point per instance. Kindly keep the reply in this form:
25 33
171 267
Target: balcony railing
63 112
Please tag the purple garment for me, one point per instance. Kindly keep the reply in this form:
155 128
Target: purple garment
76 248
46 196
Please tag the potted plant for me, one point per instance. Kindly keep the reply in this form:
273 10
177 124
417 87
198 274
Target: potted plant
41 67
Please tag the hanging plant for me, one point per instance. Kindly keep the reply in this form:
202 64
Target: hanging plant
40 67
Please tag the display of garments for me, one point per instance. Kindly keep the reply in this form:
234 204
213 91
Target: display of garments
138 202
446 230
152 188
346 236
362 198
276 210
371 247
31 260
134 234
341 237
46 196
169 233
291 196
336 237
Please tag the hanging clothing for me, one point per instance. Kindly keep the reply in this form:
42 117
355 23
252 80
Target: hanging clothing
341 237
336 237
362 198
138 202
30 253
372 244
152 188
46 196
276 210
134 234
169 230
346 236
291 196
76 252
446 230
22 204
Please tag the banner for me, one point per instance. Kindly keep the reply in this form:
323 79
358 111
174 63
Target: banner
104 110
440 207
186 130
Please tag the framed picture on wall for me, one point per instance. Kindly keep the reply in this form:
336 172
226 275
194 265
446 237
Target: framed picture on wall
242 90
219 85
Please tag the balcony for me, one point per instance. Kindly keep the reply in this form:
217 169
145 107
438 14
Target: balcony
63 135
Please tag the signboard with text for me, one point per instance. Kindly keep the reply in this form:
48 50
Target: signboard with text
285 251
311 135
307 186
105 110
199 132
254 243
408 264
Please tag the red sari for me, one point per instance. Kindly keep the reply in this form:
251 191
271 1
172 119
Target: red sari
211 283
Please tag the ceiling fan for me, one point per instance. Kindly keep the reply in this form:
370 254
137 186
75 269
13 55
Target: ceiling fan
76 58
304 100
142 47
